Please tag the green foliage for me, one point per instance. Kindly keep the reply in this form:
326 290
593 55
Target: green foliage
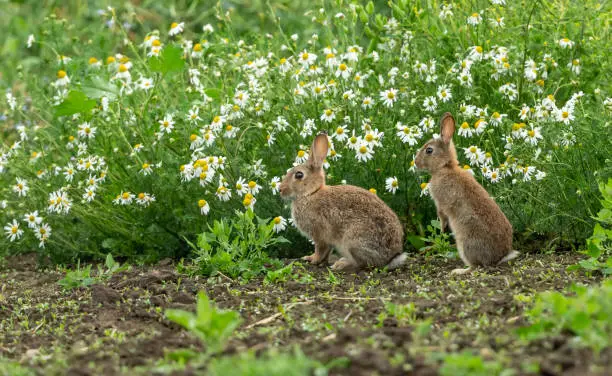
272 363
280 275
405 314
440 241
12 368
585 315
209 324
599 245
467 364
75 103
236 247
170 61
82 277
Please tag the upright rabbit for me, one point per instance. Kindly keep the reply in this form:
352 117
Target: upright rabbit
354 221
482 232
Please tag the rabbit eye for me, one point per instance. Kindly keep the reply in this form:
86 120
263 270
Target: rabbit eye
299 175
429 150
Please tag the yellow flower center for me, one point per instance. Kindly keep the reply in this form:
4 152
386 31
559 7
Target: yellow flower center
216 119
328 112
390 95
145 166
394 184
305 56
466 167
125 195
141 195
423 185
342 67
197 47
174 24
123 68
283 60
31 218
477 123
202 203
110 60
565 114
252 184
339 130
277 220
61 74
14 229
92 60
369 138
488 155
156 43
372 190
301 153
363 150
531 133
465 125
473 149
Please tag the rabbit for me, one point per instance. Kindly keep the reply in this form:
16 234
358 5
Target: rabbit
482 232
354 221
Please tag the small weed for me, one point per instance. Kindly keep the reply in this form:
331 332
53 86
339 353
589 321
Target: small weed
405 314
586 315
81 277
468 364
211 325
236 247
440 241
281 275
333 279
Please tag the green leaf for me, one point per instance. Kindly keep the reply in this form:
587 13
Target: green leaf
76 102
370 7
169 61
99 88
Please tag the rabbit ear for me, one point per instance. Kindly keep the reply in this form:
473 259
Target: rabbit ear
318 151
447 127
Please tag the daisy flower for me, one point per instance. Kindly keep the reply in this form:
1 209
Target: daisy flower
124 198
430 104
444 93
328 115
62 79
204 207
249 201
12 230
474 19
493 175
533 136
424 189
241 186
144 199
465 130
479 126
32 219
497 118
389 97
392 184
193 115
166 124
223 193
343 71
86 131
146 169
21 187
306 58
474 154
90 194
280 224
364 152
497 22
565 115
42 233
367 102
176 28
566 43
302 157
59 202
275 185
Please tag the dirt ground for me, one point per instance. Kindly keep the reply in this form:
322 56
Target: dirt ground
118 327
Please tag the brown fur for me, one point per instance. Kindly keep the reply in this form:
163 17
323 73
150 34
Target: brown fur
354 221
482 232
